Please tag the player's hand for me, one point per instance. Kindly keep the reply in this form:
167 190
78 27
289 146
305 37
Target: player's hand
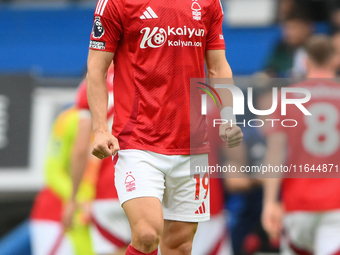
231 134
68 213
105 145
272 215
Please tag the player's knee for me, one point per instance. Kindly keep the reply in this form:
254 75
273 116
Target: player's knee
147 236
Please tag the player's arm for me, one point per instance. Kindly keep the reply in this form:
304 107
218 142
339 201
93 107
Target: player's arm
98 62
79 160
272 209
218 67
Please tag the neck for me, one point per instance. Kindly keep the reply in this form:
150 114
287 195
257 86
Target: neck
318 73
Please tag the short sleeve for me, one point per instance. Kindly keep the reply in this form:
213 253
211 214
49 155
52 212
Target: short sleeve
215 40
107 26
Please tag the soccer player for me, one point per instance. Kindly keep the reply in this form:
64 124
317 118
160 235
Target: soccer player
157 46
311 222
110 231
48 237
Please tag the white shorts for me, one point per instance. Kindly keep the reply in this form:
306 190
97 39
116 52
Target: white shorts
111 229
43 243
141 173
212 238
311 233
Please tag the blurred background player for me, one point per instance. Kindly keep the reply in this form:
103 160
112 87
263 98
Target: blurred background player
110 231
48 236
311 222
244 199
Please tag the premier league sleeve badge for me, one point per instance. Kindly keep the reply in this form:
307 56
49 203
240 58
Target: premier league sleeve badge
98 29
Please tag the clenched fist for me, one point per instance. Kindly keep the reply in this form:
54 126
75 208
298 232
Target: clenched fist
231 134
105 145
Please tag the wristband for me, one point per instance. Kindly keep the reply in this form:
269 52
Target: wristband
227 114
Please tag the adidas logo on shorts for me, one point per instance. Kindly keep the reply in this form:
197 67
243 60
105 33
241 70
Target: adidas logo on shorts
201 209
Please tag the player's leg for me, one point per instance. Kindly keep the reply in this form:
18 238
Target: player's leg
110 231
328 234
185 202
47 237
139 179
299 233
146 220
177 237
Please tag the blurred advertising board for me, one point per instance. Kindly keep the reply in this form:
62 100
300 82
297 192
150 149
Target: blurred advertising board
27 111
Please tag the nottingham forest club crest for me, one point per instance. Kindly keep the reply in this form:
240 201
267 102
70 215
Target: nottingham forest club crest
98 29
196 10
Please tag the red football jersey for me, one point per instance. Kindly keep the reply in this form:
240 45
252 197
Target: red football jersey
105 187
159 45
314 141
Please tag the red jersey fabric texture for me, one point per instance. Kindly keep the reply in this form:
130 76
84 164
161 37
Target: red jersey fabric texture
159 45
314 141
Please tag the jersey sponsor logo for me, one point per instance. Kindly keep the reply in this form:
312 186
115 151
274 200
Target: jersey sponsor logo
97 45
101 4
98 29
181 43
154 39
157 37
149 14
196 11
